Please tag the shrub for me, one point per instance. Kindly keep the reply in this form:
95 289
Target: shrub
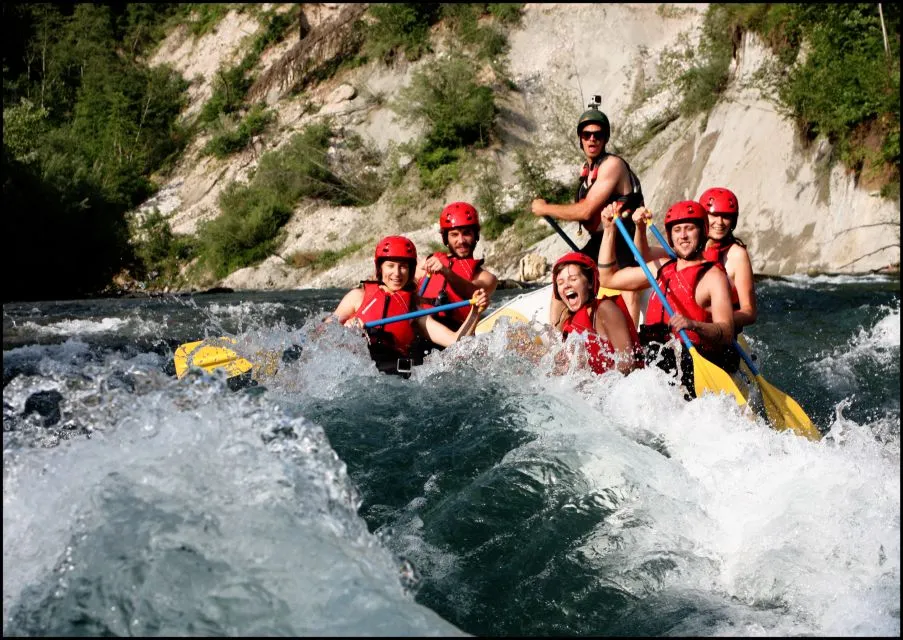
204 16
322 260
229 141
506 12
248 229
458 112
160 252
231 85
845 88
403 26
446 96
487 41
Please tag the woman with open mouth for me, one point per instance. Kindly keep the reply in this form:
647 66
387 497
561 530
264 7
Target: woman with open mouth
611 337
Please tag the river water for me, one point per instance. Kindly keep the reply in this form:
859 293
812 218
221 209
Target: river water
482 496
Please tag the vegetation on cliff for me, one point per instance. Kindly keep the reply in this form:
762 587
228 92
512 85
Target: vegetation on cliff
835 75
87 122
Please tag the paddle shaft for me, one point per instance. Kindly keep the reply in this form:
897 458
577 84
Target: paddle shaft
560 231
650 277
664 243
416 314
426 281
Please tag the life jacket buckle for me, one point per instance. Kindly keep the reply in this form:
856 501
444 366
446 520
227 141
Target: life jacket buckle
403 365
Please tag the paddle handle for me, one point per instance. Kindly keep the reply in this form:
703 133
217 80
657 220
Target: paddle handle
423 284
661 240
650 277
743 354
416 314
560 232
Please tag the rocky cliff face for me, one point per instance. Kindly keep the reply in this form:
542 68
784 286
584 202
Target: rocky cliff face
797 213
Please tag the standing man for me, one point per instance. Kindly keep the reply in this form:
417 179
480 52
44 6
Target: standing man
697 290
604 179
455 275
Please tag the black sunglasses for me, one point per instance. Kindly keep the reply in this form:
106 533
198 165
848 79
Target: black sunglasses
586 135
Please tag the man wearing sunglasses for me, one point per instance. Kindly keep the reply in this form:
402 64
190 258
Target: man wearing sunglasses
605 178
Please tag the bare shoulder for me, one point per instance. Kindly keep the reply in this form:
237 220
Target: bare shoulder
714 277
354 297
737 252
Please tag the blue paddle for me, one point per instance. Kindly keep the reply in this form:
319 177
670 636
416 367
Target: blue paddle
418 313
706 376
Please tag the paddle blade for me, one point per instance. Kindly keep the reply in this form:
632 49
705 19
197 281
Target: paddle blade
707 378
209 357
785 413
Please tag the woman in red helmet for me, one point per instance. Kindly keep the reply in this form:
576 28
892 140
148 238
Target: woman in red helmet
697 290
723 210
392 294
612 340
455 275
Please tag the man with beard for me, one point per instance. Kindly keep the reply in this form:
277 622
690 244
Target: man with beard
697 290
455 275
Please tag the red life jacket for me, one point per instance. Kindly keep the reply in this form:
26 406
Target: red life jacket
680 289
718 253
379 304
599 350
438 292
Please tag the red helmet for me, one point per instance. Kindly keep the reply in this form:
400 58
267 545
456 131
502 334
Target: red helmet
686 211
580 259
719 200
458 214
396 248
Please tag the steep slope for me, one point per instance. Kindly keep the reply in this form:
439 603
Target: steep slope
797 214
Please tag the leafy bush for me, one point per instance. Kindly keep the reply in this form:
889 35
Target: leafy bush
487 41
457 111
506 12
846 87
229 141
846 80
101 124
248 229
23 126
231 85
205 16
63 223
322 260
159 251
703 83
533 182
402 26
446 96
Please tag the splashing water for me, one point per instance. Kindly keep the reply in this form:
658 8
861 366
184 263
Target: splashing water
486 494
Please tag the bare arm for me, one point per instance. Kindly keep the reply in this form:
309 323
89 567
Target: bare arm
640 216
466 288
442 335
349 305
557 312
610 173
419 272
628 278
713 292
740 271
610 321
